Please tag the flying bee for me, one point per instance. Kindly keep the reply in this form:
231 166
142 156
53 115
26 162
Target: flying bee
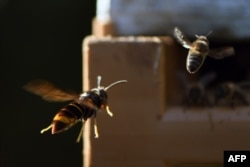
81 108
195 92
199 50
230 93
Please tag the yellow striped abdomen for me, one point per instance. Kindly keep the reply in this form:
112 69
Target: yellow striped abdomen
69 116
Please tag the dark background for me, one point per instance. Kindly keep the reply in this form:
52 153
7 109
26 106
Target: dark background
39 39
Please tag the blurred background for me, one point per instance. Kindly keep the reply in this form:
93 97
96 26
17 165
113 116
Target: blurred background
40 39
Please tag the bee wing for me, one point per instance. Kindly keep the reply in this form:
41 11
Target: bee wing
220 53
207 78
49 92
181 38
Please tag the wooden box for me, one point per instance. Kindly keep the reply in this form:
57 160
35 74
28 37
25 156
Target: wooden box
140 133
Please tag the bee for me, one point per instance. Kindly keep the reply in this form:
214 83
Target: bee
199 50
81 108
195 92
230 93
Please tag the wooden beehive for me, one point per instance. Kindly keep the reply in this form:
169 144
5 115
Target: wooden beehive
135 136
149 128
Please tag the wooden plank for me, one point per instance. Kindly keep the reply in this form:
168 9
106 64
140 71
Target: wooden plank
139 60
102 28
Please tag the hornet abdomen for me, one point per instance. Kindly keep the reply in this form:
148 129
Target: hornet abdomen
69 116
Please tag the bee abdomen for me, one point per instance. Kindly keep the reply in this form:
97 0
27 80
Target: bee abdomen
194 63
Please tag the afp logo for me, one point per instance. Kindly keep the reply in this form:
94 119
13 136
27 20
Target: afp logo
236 158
